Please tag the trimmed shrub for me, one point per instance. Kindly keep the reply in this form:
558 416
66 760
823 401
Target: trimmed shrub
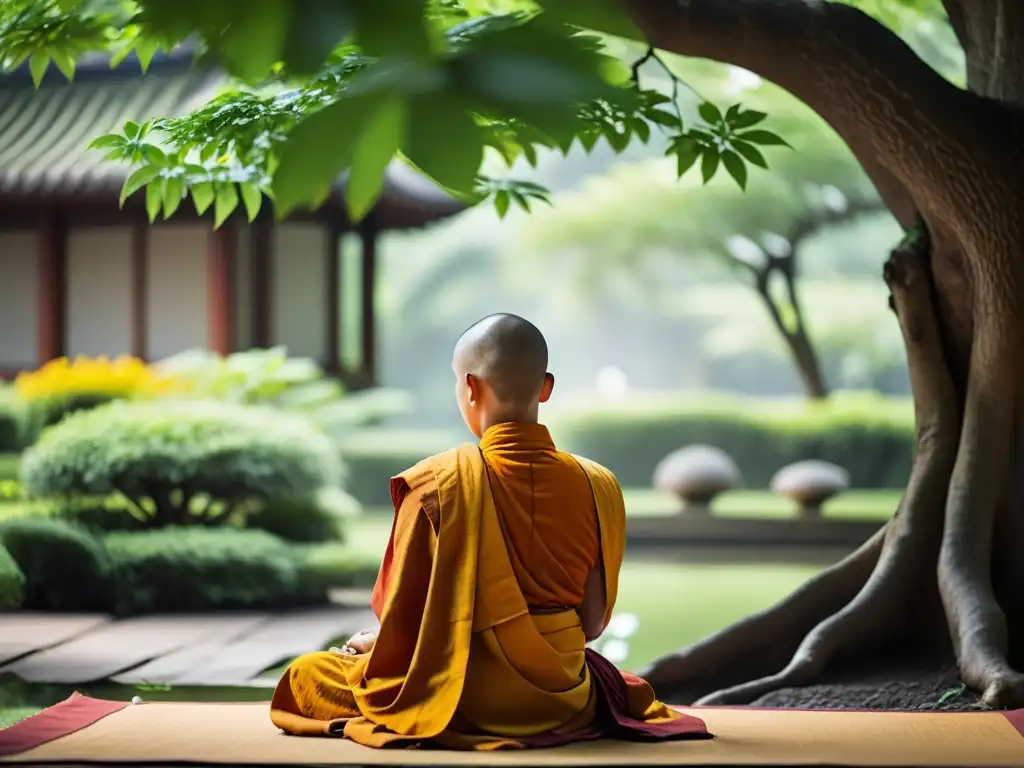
322 567
101 514
10 466
181 461
317 518
13 421
12 582
870 436
199 569
65 566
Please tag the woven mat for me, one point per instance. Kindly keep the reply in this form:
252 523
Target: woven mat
83 730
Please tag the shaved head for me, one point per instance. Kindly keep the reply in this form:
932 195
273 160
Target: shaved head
508 353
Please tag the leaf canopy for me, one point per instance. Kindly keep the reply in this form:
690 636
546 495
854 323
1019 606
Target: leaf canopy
325 88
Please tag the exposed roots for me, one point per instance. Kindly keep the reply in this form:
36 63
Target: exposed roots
978 488
868 600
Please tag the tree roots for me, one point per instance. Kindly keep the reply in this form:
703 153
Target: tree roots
871 598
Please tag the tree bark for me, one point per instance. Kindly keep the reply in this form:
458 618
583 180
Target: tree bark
950 164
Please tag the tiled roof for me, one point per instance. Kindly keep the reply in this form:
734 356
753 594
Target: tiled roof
45 132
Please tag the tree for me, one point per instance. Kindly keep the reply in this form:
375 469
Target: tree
639 212
441 80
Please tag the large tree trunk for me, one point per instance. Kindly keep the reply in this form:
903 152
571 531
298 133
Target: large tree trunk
950 165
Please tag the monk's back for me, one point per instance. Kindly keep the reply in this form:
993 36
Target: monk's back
546 509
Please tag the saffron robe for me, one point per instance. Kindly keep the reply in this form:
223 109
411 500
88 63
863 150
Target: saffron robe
459 660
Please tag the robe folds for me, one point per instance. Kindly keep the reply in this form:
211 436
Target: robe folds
460 661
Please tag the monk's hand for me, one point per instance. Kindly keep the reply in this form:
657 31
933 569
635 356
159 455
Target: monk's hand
360 642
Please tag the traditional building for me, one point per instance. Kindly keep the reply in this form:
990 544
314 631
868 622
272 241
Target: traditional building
81 276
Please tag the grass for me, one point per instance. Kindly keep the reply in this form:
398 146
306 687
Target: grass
11 715
870 504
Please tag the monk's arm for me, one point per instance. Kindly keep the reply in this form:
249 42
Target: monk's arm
595 604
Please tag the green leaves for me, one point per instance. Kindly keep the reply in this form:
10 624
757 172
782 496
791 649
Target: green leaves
38 63
445 143
506 192
372 151
138 180
765 138
737 169
318 150
254 40
726 140
317 27
342 86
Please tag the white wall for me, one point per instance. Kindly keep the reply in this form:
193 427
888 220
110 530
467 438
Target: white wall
243 288
19 299
177 289
298 295
99 291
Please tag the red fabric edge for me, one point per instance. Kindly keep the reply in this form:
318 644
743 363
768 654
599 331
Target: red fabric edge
62 719
1015 717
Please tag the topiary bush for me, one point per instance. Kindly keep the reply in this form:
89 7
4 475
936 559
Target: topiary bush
322 516
13 421
322 567
180 462
870 436
101 514
199 569
64 565
12 582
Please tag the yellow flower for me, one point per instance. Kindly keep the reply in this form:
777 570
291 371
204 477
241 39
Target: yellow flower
125 376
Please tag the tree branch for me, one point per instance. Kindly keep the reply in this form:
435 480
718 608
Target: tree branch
806 226
902 120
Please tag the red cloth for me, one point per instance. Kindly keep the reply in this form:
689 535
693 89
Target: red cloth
613 720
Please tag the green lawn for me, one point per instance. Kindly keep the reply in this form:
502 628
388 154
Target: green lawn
11 715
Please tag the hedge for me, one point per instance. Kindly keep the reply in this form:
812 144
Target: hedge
65 566
869 435
373 456
197 569
322 567
12 582
319 517
13 421
181 461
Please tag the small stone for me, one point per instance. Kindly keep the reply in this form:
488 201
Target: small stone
696 474
810 484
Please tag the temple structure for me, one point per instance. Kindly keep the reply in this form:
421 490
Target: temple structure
81 276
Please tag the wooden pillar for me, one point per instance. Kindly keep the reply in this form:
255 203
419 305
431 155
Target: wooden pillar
52 299
332 285
369 313
221 302
140 267
261 266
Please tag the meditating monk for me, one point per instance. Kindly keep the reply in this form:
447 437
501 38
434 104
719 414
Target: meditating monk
503 563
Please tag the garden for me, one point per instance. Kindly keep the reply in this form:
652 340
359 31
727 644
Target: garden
202 483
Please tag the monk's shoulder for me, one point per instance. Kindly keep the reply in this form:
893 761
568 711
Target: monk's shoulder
593 470
420 483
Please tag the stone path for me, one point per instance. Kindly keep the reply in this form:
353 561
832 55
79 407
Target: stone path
228 649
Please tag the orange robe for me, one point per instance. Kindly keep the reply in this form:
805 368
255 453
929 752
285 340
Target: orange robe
480 645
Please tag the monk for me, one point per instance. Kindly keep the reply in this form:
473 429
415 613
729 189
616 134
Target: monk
503 563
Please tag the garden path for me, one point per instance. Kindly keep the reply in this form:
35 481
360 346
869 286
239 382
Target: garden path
226 649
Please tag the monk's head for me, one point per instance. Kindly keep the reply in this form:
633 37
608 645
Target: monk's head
501 372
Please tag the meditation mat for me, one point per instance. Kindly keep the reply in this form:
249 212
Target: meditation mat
85 730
